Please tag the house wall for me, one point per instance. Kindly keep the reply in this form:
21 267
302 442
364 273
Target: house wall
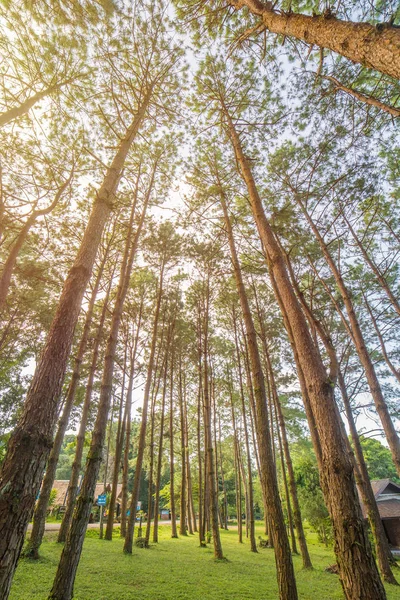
392 528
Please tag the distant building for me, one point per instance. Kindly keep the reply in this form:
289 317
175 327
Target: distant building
61 486
387 496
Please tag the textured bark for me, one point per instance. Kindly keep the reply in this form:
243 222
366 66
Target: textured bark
374 47
288 459
39 517
199 452
8 269
283 559
31 442
143 427
383 553
357 569
360 345
65 577
80 438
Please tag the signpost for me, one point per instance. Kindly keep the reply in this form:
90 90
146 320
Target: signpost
101 501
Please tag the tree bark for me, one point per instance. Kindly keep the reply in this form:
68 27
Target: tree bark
39 517
213 507
357 569
360 345
65 577
174 531
31 442
143 427
374 47
283 558
80 438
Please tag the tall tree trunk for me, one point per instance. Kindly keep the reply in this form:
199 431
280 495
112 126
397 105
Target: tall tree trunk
360 345
225 519
39 517
65 577
283 558
31 442
362 43
143 427
199 453
161 438
383 553
119 443
80 438
208 434
128 426
298 521
238 482
182 518
358 572
174 531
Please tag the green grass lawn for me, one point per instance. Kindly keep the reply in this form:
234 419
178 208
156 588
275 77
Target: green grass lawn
176 569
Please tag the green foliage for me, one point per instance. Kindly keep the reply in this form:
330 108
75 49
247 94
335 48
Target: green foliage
378 459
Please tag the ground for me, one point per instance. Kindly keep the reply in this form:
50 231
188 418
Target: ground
177 570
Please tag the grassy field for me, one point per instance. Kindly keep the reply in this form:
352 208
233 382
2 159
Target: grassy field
176 570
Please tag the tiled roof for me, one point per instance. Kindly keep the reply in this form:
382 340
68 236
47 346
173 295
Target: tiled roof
389 509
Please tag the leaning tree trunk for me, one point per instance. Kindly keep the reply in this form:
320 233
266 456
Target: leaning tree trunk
357 568
143 427
383 553
360 345
39 517
31 442
269 483
128 425
9 265
298 521
362 43
65 577
80 438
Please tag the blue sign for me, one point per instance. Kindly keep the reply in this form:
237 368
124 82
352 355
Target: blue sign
101 500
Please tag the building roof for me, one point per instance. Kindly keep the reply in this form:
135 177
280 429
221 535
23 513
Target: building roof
61 486
387 496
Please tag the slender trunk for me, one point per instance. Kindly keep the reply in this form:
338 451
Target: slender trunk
80 439
283 558
128 427
360 345
182 518
174 531
199 453
160 441
31 442
151 470
383 553
65 577
143 427
207 426
225 519
9 265
119 443
238 483
362 43
18 111
358 572
39 518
